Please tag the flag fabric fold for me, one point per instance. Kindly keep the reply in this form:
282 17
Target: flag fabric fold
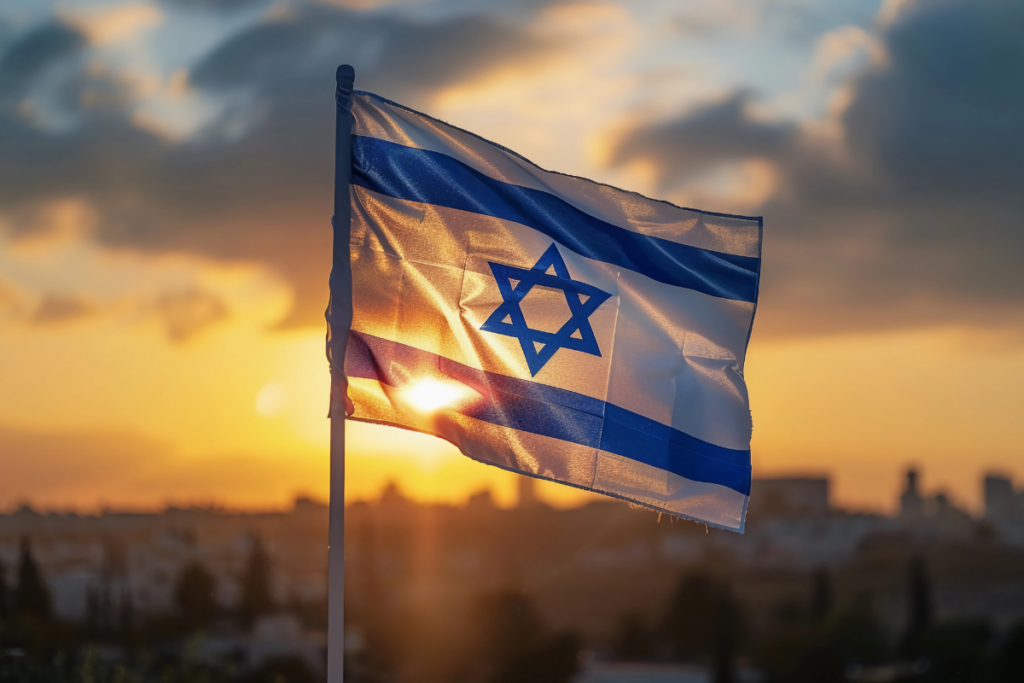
548 324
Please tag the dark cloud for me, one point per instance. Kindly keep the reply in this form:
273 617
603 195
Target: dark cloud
186 313
712 134
217 5
390 53
257 183
61 308
945 114
29 56
919 222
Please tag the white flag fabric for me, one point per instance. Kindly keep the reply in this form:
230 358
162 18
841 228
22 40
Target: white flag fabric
548 324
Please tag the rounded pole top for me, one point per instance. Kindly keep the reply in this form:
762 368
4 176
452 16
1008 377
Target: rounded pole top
346 76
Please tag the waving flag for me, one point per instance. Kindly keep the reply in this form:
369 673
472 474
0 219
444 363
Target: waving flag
548 324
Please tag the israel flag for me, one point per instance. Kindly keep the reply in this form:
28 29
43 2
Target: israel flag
547 324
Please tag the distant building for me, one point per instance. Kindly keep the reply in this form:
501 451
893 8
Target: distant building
1001 501
911 500
527 487
304 505
1004 508
481 500
789 496
931 515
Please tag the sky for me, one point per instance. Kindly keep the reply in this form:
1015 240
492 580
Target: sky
166 188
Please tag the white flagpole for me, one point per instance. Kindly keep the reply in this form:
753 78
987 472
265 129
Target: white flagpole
340 316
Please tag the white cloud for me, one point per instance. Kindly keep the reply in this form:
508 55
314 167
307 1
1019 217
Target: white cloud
112 24
841 52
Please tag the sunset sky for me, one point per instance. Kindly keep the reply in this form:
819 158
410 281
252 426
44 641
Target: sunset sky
165 199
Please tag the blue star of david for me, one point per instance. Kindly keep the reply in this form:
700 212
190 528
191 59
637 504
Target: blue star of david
539 346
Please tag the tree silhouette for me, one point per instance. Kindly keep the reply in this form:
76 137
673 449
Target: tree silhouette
194 596
685 627
1008 660
726 628
634 641
31 596
4 593
704 623
513 644
556 660
822 595
509 626
256 595
920 607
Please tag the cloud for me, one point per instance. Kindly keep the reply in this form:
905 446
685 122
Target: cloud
843 50
390 53
217 5
186 313
26 60
61 308
711 19
714 134
10 301
255 184
913 218
103 25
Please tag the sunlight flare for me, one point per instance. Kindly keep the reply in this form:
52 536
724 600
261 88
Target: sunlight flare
428 394
271 399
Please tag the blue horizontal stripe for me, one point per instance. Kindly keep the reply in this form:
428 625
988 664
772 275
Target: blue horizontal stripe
557 413
420 175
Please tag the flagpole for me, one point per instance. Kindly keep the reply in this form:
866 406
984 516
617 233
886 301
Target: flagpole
340 317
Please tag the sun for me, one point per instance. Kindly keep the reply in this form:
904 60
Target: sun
428 394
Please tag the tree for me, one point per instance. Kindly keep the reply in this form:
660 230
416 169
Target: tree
4 594
685 627
634 641
510 627
726 631
822 595
31 596
555 660
256 596
957 651
194 596
1008 660
513 644
920 607
821 653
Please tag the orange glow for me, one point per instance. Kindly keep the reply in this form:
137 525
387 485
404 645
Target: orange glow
429 394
